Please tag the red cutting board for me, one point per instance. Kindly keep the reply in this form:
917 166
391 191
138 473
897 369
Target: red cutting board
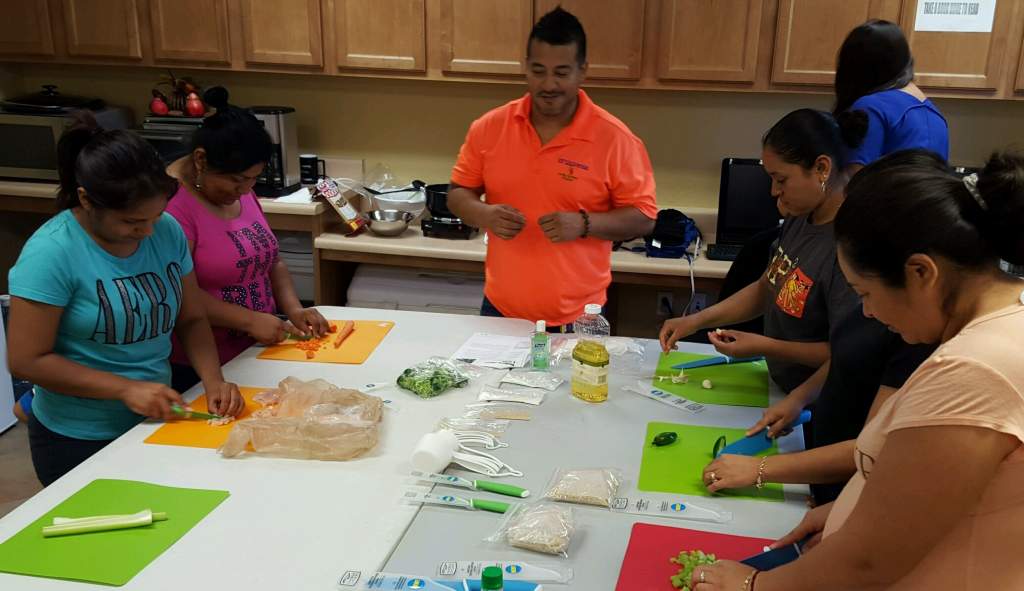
646 566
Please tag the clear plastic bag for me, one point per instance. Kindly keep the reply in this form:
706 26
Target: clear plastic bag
495 411
591 486
310 420
627 355
533 379
492 426
492 394
543 527
433 377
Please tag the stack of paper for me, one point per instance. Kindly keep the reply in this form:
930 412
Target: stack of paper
496 351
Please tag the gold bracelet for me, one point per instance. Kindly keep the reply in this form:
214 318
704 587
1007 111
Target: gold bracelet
759 483
748 583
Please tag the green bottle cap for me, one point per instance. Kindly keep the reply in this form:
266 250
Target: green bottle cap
491 579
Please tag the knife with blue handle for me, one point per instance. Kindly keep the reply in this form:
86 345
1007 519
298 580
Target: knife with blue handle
755 444
720 360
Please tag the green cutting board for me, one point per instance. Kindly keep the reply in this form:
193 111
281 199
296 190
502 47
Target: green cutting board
743 384
113 557
678 468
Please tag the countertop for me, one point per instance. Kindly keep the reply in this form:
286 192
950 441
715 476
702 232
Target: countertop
49 191
300 524
413 244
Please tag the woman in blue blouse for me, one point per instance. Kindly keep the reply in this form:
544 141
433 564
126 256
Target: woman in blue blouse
878 106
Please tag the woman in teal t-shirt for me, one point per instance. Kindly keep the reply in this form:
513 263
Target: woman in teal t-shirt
96 293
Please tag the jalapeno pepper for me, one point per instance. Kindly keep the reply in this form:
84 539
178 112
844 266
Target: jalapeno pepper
663 439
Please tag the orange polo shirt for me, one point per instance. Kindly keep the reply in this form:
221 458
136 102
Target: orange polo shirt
595 164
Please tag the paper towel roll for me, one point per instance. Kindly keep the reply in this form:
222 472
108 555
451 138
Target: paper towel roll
434 451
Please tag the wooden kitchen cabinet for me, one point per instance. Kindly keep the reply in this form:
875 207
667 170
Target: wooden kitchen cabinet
379 34
25 29
712 41
190 31
282 33
484 36
615 34
809 33
952 60
1019 85
102 28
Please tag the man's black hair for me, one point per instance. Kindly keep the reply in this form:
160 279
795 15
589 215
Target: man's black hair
560 27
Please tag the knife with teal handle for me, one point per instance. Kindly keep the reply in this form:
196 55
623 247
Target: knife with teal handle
494 487
192 414
756 443
719 360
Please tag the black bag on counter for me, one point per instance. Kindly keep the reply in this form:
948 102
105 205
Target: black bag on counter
673 234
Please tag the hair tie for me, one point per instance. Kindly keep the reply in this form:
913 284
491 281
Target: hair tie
971 182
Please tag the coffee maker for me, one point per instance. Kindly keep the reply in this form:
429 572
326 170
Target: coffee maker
281 174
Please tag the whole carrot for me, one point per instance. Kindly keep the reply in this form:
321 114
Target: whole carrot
346 329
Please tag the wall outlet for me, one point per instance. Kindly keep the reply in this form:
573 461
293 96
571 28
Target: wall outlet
665 305
700 301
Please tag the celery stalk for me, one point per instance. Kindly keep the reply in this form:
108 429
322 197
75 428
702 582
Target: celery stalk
64 526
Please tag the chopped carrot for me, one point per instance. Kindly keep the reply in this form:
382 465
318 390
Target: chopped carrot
333 328
310 354
348 328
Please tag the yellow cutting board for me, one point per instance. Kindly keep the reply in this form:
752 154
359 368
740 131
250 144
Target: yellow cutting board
356 349
196 432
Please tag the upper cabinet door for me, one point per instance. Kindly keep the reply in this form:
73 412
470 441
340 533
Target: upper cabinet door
810 32
715 41
102 28
380 34
959 60
25 29
282 33
190 31
1019 86
485 36
615 34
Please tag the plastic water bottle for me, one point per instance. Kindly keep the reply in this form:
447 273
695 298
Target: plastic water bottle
590 357
541 347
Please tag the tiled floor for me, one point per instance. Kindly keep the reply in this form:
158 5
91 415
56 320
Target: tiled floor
17 478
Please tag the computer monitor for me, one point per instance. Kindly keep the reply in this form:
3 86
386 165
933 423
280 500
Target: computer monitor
745 202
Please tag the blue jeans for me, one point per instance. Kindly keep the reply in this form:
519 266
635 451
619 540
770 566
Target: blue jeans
488 310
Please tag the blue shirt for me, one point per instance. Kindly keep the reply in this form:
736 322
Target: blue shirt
899 121
118 314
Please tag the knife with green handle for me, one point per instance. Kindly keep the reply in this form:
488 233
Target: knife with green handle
193 414
416 497
494 487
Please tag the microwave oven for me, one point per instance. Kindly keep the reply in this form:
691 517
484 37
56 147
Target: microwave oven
28 143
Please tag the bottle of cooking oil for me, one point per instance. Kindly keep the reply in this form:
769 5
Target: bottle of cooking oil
590 357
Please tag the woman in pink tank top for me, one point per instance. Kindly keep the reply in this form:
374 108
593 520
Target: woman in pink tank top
233 248
937 499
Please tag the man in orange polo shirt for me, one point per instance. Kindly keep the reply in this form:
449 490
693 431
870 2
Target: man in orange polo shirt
563 179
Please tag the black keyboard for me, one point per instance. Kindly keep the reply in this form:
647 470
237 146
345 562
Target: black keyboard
724 252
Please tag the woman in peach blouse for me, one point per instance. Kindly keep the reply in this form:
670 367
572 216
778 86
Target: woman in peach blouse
937 501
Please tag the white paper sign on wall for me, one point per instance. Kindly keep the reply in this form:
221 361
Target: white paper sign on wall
970 16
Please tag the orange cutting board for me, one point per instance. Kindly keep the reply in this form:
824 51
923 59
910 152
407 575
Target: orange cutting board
196 432
354 350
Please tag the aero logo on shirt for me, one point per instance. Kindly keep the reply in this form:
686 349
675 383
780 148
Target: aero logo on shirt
257 252
144 301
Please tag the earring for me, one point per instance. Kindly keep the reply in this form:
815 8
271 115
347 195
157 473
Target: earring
199 182
823 186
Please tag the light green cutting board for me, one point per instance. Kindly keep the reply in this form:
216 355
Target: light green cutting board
678 468
743 384
113 557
